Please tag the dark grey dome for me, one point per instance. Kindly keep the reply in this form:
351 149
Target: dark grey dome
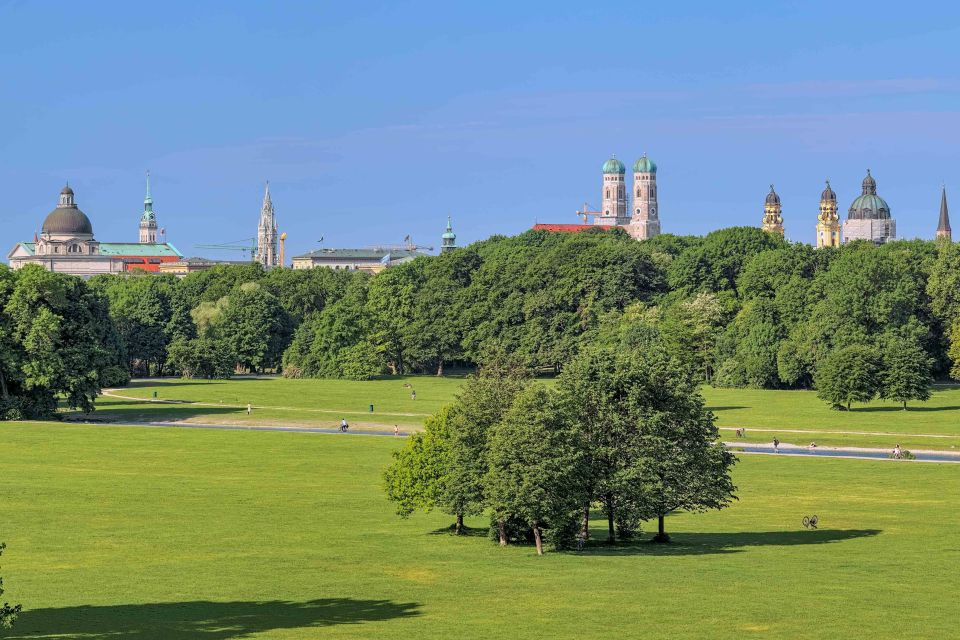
64 220
828 194
868 205
772 197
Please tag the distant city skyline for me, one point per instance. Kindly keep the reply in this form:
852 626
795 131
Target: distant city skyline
377 124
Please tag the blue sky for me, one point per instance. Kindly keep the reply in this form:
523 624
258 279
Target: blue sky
377 120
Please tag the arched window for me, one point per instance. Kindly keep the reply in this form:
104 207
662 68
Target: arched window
608 193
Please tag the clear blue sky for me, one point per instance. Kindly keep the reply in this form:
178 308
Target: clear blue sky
376 120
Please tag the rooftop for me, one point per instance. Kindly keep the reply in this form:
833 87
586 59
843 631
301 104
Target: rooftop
373 253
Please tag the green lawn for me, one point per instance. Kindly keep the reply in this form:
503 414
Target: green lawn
279 401
181 534
322 403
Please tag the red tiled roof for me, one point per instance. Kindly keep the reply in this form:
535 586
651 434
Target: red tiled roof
563 228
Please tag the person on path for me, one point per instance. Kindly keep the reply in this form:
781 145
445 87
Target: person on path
249 409
343 425
396 430
897 453
413 395
776 446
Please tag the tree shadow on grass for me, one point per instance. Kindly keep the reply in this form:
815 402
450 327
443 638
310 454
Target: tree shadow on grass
202 620
898 409
730 408
148 412
686 544
466 532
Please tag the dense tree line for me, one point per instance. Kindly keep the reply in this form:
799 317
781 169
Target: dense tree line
624 431
57 344
740 307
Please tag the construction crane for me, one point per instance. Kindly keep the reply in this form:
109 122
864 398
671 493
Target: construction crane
247 245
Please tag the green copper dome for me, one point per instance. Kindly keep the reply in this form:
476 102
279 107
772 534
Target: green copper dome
868 205
644 165
614 166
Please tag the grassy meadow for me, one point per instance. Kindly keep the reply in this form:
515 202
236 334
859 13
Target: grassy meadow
179 534
796 417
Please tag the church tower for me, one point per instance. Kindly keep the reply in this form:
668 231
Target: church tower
645 218
148 221
772 213
448 241
267 233
943 229
614 194
828 221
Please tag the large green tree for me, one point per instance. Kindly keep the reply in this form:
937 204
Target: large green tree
57 342
906 371
536 468
847 375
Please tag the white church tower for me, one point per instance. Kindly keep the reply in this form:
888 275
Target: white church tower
267 233
148 221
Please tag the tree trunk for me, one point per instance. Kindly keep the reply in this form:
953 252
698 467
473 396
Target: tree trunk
661 530
611 534
904 405
538 537
848 405
585 529
502 532
440 368
459 524
3 387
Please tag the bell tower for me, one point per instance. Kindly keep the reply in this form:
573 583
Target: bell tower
267 232
772 213
828 221
148 220
613 194
645 217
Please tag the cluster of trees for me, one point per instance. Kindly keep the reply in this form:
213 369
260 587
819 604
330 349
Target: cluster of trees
624 430
57 342
738 306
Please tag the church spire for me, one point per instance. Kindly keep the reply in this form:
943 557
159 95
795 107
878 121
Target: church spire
943 229
267 245
148 199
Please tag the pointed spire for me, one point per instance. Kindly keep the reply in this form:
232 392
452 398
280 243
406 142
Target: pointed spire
266 195
148 199
943 228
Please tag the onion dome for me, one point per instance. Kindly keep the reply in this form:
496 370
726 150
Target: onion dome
828 195
449 234
614 166
869 206
644 165
67 219
772 197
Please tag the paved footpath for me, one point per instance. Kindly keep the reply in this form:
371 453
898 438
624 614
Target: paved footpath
856 453
785 450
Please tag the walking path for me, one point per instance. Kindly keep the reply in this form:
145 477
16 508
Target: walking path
786 450
858 453
847 433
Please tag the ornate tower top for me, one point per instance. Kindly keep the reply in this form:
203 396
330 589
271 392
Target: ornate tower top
448 241
772 213
267 241
943 228
869 185
148 219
